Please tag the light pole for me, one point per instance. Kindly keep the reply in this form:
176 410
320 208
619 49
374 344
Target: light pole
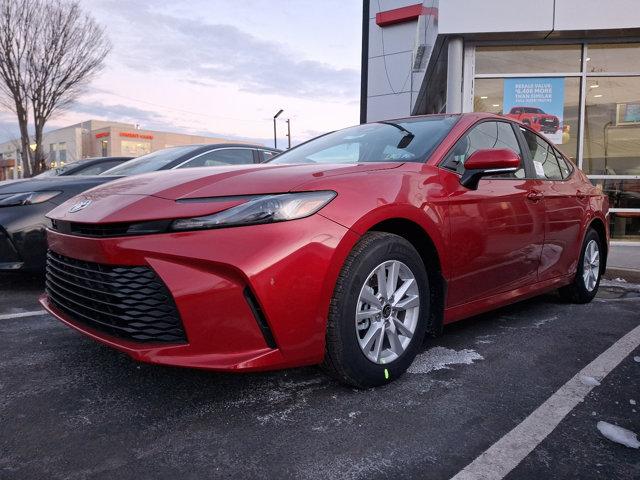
275 133
289 133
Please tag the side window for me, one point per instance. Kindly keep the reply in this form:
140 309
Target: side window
225 156
267 155
98 169
565 167
543 156
483 136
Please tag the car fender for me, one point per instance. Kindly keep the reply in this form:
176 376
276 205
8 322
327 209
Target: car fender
428 219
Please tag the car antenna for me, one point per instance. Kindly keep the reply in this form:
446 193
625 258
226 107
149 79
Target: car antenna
408 135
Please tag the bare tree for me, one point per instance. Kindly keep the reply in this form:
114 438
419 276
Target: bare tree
15 44
54 50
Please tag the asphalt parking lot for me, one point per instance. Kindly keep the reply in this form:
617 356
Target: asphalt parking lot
71 408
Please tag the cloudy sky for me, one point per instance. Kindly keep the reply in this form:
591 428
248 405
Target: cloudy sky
224 67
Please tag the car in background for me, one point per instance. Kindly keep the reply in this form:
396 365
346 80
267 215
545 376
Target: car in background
346 250
88 166
24 203
535 118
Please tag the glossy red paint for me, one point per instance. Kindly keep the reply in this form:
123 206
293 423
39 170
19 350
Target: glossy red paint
493 158
509 239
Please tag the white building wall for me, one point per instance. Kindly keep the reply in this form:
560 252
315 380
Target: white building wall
494 16
390 59
596 14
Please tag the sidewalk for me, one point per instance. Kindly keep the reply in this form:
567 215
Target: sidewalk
624 262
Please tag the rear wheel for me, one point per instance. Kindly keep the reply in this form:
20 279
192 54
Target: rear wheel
587 280
377 319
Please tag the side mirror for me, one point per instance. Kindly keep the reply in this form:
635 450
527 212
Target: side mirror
491 161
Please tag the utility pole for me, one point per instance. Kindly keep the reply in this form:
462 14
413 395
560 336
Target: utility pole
275 132
289 132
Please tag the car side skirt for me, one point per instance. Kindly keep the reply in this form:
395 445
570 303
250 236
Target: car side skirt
466 310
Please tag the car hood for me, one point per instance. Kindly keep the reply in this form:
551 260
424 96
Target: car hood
227 180
53 183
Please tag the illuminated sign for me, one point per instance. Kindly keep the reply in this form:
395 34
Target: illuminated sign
102 135
136 135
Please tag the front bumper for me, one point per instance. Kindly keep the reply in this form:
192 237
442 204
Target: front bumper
288 268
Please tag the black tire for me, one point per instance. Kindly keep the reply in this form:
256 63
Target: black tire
577 291
344 359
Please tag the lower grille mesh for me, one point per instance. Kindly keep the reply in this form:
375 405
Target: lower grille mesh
127 302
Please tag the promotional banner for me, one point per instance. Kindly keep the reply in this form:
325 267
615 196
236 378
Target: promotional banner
538 102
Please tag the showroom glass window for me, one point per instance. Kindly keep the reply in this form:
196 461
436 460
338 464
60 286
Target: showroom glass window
593 108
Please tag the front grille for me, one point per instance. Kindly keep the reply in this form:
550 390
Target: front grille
106 230
99 230
126 302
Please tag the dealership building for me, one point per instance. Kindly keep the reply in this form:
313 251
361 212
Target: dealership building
97 138
569 68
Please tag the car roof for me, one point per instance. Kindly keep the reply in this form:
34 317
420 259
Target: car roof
470 115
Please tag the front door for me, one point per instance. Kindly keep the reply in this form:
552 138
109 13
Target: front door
496 231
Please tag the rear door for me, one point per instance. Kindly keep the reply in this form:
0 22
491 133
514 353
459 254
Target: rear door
565 207
496 231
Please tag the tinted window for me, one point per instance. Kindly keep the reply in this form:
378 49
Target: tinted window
225 156
409 140
481 137
565 168
96 169
151 162
543 156
267 155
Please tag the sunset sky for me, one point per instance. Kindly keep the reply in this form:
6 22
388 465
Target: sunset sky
223 68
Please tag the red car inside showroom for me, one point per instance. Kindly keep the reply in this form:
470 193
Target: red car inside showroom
344 251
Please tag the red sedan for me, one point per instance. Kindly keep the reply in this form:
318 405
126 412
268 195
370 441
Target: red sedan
346 250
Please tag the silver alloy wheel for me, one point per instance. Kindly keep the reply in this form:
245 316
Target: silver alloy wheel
591 265
387 312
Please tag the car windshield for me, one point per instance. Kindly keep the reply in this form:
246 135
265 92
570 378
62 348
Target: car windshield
532 110
150 162
54 172
406 140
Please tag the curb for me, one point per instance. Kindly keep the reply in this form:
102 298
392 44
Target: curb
631 275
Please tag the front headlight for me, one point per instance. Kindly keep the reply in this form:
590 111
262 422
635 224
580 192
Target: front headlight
262 209
26 198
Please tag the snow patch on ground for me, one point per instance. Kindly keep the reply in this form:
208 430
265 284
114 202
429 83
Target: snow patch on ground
623 285
439 358
636 359
589 381
632 401
542 321
618 434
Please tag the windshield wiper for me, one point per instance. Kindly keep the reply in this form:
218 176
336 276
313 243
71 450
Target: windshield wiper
408 135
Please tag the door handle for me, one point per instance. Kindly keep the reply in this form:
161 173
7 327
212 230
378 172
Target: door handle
534 196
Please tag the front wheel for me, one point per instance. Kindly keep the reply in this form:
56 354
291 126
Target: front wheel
378 314
587 280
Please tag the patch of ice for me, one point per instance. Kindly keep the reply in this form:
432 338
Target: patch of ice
618 434
589 381
622 285
439 358
636 359
632 401
541 322
618 279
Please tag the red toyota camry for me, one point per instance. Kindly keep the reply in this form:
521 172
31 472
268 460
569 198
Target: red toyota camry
344 251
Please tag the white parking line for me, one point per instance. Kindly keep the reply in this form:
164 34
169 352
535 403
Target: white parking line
22 314
504 455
